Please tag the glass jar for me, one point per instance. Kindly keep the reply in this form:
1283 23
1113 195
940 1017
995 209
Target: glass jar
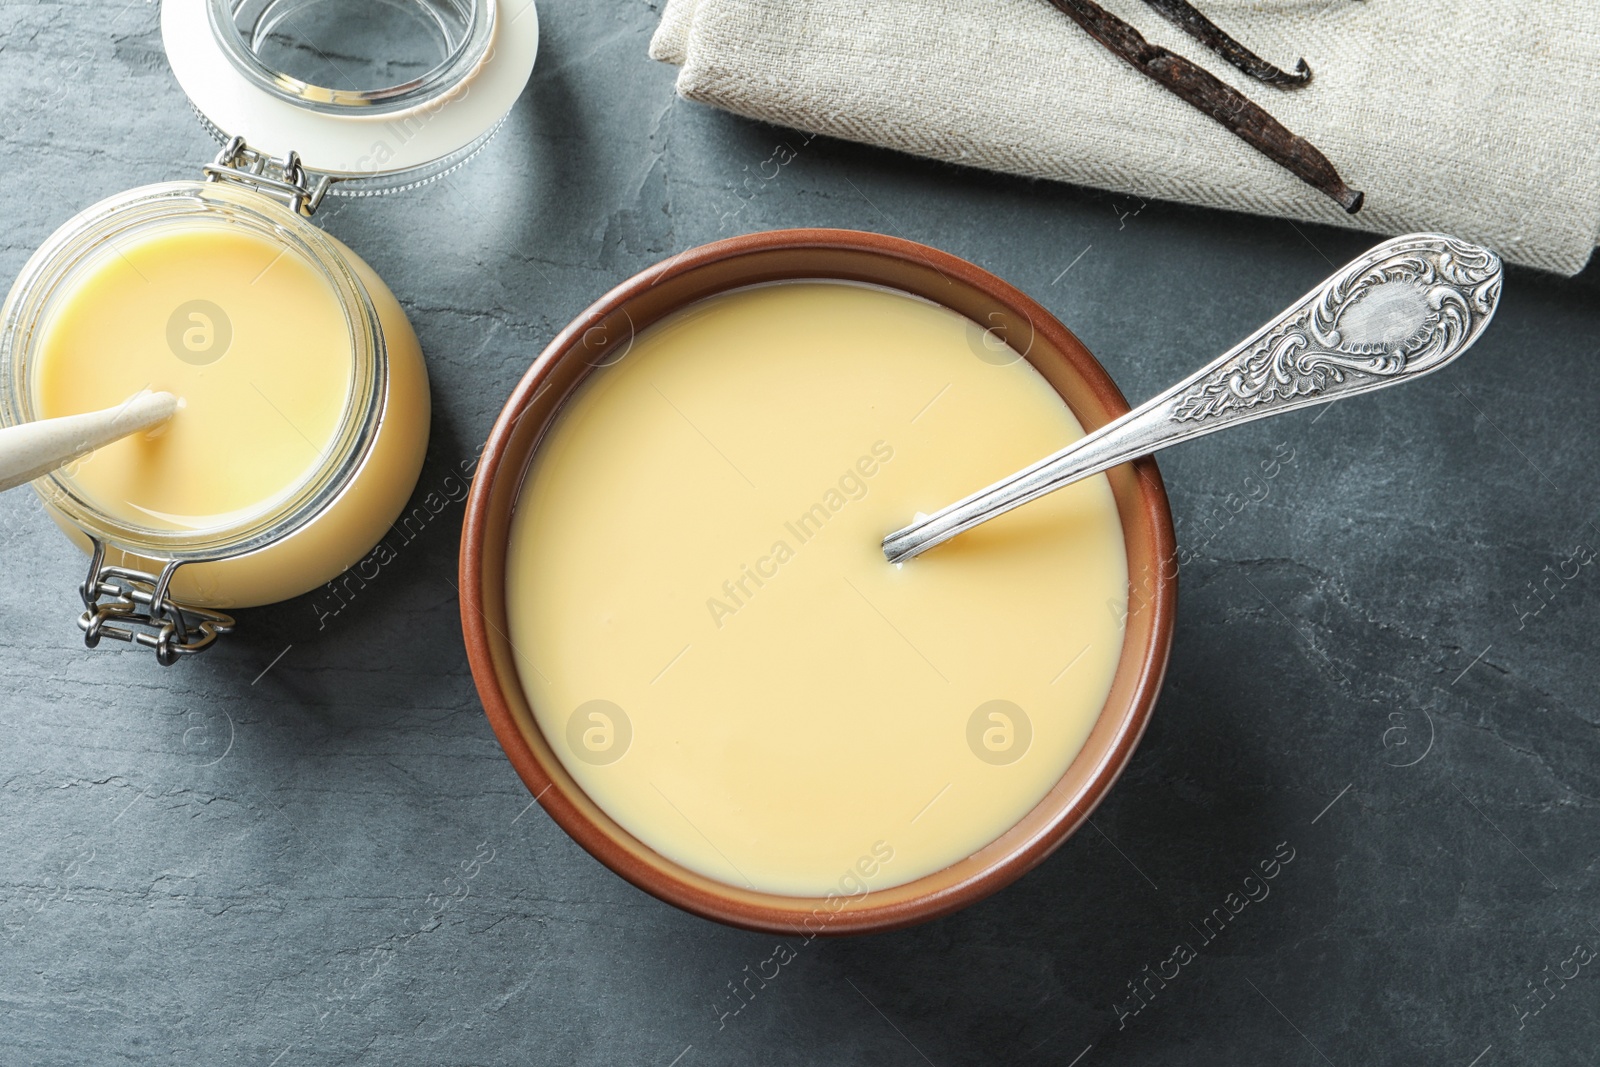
259 67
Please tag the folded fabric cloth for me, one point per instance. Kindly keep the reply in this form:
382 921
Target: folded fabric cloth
1476 119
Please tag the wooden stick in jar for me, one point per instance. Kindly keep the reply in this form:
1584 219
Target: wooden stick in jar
34 449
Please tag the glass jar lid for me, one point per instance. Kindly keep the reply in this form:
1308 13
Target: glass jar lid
378 97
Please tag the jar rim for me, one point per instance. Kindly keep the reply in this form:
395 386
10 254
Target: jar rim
149 209
462 58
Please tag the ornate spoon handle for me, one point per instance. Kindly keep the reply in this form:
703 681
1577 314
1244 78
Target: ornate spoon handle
1405 309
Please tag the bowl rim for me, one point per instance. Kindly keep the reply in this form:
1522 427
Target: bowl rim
1154 590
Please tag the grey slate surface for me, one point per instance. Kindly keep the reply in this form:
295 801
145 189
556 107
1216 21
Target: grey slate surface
332 863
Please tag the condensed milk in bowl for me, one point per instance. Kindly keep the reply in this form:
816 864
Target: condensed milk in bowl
304 406
685 633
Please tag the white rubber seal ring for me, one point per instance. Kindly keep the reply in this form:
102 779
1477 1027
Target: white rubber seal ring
354 145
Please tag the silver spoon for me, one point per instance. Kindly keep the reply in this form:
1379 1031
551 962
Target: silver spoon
1405 309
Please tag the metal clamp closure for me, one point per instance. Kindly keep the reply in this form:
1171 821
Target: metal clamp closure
133 606
287 179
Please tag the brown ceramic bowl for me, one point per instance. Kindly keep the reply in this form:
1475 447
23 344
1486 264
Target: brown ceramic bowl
600 335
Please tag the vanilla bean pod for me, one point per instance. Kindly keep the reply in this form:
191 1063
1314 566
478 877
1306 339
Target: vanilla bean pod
1192 21
1203 90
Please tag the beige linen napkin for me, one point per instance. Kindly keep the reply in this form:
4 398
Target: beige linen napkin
1472 118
